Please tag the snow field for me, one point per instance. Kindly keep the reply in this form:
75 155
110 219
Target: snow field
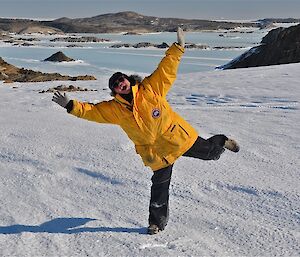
70 187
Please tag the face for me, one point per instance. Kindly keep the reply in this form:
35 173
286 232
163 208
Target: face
122 86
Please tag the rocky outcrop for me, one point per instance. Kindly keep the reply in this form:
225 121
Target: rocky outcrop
59 57
64 88
140 45
80 40
132 34
10 73
163 45
279 46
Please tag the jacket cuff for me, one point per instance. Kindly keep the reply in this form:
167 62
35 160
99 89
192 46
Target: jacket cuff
175 49
179 47
69 106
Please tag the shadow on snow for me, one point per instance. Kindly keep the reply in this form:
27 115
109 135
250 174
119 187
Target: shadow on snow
67 226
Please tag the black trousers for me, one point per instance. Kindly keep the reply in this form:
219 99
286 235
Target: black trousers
159 201
205 149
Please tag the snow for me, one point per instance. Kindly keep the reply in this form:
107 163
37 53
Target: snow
70 187
240 58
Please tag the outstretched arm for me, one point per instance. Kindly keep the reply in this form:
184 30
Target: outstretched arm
164 76
103 112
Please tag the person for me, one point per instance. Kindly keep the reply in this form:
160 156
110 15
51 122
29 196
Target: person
160 134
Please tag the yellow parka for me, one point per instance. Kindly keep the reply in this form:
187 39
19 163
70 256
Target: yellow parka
160 135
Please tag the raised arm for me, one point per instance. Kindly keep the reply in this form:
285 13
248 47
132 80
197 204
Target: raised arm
164 76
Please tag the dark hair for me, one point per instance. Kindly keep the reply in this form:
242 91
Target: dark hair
133 79
114 78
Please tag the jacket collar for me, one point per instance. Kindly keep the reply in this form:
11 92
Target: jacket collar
122 101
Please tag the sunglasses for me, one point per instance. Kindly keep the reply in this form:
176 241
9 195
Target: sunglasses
118 81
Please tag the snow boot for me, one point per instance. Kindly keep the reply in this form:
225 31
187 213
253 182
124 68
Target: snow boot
153 229
232 145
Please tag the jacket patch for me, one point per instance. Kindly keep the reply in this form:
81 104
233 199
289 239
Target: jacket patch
156 113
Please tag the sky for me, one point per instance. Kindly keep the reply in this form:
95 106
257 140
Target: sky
198 9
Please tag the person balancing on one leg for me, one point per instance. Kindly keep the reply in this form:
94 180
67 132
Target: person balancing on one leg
160 135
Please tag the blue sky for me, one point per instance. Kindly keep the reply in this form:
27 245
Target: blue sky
199 9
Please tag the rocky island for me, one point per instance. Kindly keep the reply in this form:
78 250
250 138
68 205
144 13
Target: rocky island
59 57
80 40
65 88
10 73
279 46
163 45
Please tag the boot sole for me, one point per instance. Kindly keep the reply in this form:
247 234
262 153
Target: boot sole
153 230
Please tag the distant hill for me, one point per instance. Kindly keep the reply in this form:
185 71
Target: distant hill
116 22
126 22
134 22
279 46
26 26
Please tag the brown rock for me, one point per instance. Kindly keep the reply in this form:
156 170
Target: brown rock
10 73
59 57
65 88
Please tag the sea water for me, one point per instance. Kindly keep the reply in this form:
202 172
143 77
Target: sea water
99 59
